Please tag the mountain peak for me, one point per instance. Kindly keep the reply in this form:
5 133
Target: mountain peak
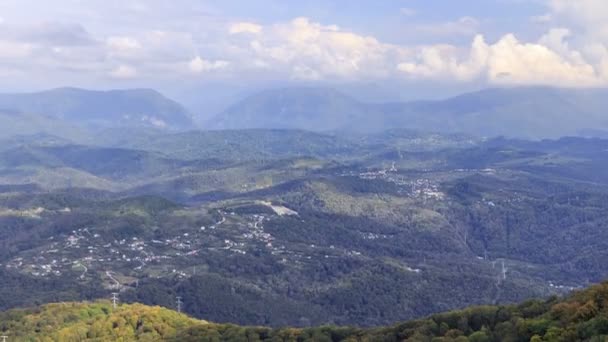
307 108
95 108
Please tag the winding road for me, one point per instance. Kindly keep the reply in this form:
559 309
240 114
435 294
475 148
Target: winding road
116 282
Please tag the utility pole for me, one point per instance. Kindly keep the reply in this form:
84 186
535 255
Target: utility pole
3 337
179 304
114 299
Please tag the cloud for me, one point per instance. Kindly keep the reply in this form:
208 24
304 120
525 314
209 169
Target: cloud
122 43
15 50
309 50
124 72
154 40
123 48
590 14
441 62
58 34
573 52
508 61
199 65
513 62
48 34
588 19
245 27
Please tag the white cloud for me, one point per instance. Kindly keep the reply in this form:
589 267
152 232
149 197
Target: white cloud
123 43
124 72
309 50
573 50
14 50
508 61
441 62
587 18
513 62
123 48
244 27
199 65
589 13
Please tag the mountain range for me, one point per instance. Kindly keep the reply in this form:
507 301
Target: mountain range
64 111
525 112
529 112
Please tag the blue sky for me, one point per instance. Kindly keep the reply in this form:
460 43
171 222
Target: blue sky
443 46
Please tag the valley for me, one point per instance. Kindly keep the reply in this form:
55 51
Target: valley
294 171
368 236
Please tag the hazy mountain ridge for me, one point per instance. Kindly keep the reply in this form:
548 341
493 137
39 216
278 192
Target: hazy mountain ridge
315 109
15 124
527 112
99 109
531 112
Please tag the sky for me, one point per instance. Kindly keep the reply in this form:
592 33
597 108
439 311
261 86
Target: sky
179 46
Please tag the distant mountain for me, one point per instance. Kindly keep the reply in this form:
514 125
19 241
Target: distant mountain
314 109
531 112
14 124
98 109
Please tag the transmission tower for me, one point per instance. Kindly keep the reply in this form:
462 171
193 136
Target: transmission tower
114 299
179 304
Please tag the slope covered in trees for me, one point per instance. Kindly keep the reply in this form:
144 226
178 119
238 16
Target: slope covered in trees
581 317
379 237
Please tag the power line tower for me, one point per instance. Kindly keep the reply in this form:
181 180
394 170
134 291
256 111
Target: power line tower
114 299
504 271
179 304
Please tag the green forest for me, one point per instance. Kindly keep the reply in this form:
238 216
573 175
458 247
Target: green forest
582 316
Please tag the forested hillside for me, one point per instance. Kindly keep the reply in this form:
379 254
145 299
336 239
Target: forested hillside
315 228
582 316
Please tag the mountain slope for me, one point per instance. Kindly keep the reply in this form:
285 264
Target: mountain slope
245 144
581 317
134 107
316 109
532 112
13 124
94 322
